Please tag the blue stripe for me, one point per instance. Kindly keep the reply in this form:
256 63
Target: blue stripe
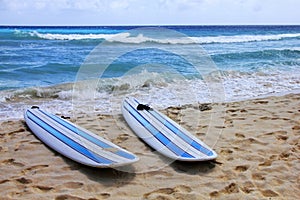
156 133
87 136
125 154
77 147
178 132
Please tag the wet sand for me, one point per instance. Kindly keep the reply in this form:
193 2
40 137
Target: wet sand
257 141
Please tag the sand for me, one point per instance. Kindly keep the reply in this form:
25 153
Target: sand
257 141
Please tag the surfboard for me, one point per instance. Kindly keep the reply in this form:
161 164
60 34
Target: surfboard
163 134
75 142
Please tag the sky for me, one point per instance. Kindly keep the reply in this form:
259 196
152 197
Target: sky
149 12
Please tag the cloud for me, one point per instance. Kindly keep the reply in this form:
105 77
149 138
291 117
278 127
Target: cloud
17 5
149 12
179 4
120 4
89 5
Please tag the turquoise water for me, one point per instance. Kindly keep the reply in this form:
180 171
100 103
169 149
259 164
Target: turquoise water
253 60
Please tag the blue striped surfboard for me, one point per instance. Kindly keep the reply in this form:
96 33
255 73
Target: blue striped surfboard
163 134
75 142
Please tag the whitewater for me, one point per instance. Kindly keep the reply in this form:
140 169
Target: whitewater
128 38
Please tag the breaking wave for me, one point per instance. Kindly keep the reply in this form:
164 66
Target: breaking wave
164 92
140 38
145 81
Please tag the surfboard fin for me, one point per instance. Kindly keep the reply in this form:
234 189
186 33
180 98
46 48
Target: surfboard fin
65 117
143 107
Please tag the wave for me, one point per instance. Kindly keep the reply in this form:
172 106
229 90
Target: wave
106 97
56 36
267 54
66 91
152 82
127 37
244 38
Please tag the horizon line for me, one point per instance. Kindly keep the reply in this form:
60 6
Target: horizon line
98 25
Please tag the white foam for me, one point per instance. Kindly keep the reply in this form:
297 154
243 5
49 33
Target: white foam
140 38
150 87
56 36
248 86
242 38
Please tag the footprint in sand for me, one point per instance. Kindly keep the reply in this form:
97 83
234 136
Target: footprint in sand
42 188
296 127
284 155
73 185
236 110
266 163
24 180
103 196
33 168
240 135
249 141
121 138
258 176
269 193
67 196
248 187
229 189
16 131
282 137
261 102
177 192
241 168
12 162
4 181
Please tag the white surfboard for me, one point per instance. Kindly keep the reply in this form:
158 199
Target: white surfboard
74 142
163 134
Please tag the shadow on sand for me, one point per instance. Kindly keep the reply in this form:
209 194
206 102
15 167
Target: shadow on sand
105 176
193 168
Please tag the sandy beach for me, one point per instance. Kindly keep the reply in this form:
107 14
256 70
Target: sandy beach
257 142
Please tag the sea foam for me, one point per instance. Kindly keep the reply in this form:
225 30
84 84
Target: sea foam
154 88
126 37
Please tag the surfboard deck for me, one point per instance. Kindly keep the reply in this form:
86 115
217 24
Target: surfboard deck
163 134
75 142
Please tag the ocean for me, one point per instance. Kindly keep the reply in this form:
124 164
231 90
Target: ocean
90 69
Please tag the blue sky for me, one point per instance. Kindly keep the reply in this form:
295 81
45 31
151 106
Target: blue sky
145 12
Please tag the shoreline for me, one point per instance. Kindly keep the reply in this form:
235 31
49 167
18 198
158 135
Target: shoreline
61 99
257 145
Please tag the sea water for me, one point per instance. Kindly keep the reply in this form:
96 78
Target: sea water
47 65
